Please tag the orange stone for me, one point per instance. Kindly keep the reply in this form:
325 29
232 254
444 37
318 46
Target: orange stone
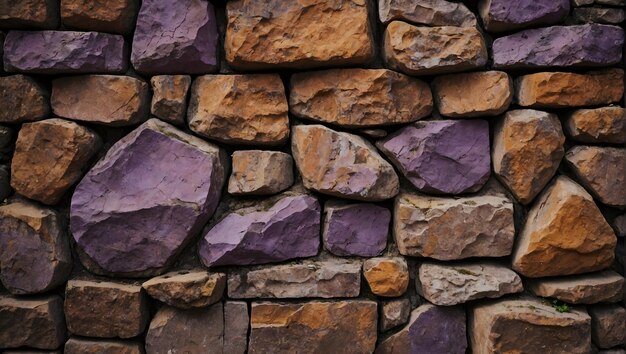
387 276
114 16
599 125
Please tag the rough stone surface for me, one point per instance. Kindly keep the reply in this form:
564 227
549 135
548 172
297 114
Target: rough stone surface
169 97
91 346
608 325
236 323
273 231
607 286
506 15
5 181
42 14
442 157
102 99
115 16
359 97
35 252
606 15
564 234
393 313
342 164
313 327
527 150
50 156
619 225
257 172
386 276
433 50
240 109
22 99
187 289
131 214
427 12
598 125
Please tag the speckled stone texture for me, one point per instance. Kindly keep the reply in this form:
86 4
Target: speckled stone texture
507 15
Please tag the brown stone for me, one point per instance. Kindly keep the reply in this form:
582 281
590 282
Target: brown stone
598 125
257 172
527 150
240 109
236 323
104 309
22 99
591 288
433 50
564 234
347 327
115 16
42 14
563 89
606 15
619 225
393 313
608 325
93 346
169 97
427 12
359 97
50 156
102 99
273 34
187 289
477 94
387 276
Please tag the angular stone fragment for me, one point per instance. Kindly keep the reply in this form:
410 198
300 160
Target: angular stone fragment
598 125
528 325
386 276
527 150
236 323
187 289
607 286
325 279
83 52
442 157
601 171
115 16
50 156
393 313
342 164
506 15
175 37
606 15
42 14
139 205
564 234
359 97
169 97
102 99
240 109
313 327
427 12
257 172
274 231
485 93
22 99
105 309
358 229
433 50
91 346
34 322
5 181
35 252
608 325
562 89
619 225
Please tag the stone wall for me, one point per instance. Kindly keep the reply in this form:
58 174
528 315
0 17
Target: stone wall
312 176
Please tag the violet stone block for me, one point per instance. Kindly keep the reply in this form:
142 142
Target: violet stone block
175 37
442 157
65 52
138 206
558 46
507 15
289 229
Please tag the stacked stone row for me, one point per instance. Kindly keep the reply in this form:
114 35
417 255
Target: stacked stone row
333 176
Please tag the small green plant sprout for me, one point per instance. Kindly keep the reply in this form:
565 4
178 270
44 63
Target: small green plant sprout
560 306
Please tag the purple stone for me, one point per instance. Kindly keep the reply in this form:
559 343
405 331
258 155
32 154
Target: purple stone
442 157
175 37
139 205
65 52
506 15
288 229
355 229
584 45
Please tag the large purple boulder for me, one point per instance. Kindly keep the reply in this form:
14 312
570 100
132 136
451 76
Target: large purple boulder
507 15
290 228
139 205
65 52
175 37
558 46
442 157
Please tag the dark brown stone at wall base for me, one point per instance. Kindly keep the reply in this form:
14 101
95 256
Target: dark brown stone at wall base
40 14
23 99
236 323
94 346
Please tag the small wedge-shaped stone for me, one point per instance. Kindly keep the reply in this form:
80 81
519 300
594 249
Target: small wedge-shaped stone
386 276
393 313
607 286
608 325
169 97
257 172
93 346
426 12
187 289
359 97
598 125
341 164
506 15
564 234
42 14
22 99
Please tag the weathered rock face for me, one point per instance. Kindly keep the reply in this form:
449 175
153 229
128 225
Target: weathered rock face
85 52
187 289
50 156
304 327
607 15
169 97
325 279
561 89
90 346
42 14
442 157
22 99
101 99
591 288
175 37
565 234
297 35
277 231
34 250
393 313
527 151
608 325
505 15
236 322
341 164
387 276
128 221
33 322
116 16
359 97
619 225
599 125
427 12
240 109
355 229
497 327
257 172
104 309
600 170
433 50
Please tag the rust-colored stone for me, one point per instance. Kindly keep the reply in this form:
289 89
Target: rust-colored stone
115 16
92 346
22 99
187 289
43 14
256 172
169 97
599 125
387 276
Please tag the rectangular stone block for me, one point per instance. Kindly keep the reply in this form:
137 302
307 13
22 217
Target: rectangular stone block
236 323
43 14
